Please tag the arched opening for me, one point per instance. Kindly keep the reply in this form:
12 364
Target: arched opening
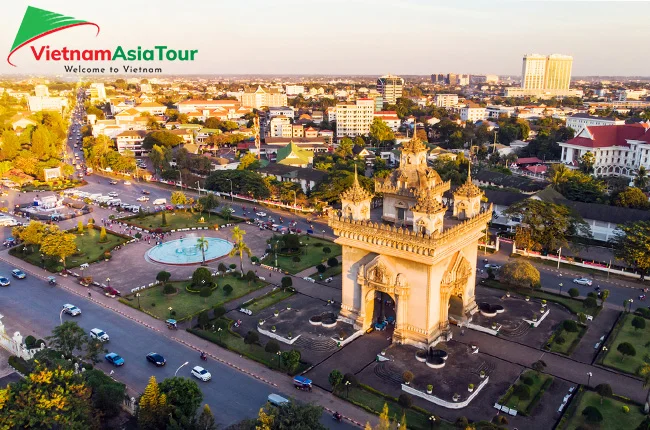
455 308
381 311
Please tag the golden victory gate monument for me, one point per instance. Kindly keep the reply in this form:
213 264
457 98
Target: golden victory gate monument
429 269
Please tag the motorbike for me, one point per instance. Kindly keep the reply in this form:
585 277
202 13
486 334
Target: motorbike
204 356
171 324
51 280
337 417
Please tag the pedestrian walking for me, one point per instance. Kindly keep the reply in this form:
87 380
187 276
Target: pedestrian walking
89 295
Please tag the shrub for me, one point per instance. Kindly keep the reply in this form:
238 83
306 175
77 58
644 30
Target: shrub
645 313
205 292
326 250
408 376
255 259
222 267
296 259
570 326
560 340
272 346
218 311
332 262
589 303
321 268
233 266
574 292
203 320
625 409
592 414
349 377
163 276
638 323
202 278
102 235
169 289
39 343
462 423
405 400
286 281
500 420
19 364
227 289
30 342
626 348
528 380
522 391
251 338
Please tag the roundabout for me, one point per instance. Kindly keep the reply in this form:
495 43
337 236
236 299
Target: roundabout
183 252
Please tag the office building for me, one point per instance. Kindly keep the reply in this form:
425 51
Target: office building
445 100
37 104
354 119
390 87
545 76
264 97
294 90
280 126
473 112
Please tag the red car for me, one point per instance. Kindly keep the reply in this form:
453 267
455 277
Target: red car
112 291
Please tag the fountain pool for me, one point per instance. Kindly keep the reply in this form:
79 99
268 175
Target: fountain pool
185 252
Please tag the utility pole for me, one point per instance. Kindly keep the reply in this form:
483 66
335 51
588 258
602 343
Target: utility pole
256 132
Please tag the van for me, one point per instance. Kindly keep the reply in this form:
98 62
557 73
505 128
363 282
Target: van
158 202
114 202
277 400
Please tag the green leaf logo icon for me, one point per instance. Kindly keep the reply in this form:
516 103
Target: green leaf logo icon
38 23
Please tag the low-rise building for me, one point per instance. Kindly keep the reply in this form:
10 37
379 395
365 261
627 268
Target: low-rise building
152 108
472 112
280 126
131 140
445 100
390 118
293 155
307 178
579 121
38 104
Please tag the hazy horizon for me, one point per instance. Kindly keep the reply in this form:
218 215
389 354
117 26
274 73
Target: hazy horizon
346 38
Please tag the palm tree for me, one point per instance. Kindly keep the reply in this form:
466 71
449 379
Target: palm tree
202 244
238 234
239 248
559 175
641 179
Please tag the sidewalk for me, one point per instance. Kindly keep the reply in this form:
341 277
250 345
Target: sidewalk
282 382
601 326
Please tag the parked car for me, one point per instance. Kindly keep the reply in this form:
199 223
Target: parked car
145 192
4 282
114 359
583 281
18 274
71 310
112 291
492 266
201 373
156 359
113 194
99 334
143 199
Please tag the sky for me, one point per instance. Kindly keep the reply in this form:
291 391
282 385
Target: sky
343 37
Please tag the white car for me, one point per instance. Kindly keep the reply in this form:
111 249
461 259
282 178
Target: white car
71 310
143 199
201 373
260 214
113 194
99 334
582 281
127 183
492 266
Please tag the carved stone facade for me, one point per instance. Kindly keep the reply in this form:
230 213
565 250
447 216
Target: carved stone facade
424 270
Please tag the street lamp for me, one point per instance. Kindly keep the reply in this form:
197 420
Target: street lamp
108 282
231 197
138 297
198 187
561 285
629 308
180 178
323 234
432 420
294 197
589 375
347 388
279 353
170 311
61 317
179 367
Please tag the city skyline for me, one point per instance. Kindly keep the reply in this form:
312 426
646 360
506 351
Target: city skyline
407 38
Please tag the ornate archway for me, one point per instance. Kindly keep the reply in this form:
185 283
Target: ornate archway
454 284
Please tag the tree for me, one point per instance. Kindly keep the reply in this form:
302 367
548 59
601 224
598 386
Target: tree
405 401
638 323
31 235
640 180
286 282
251 338
227 289
206 419
574 292
291 416
163 219
632 244
380 132
345 147
248 162
162 138
550 225
163 276
587 162
272 347
205 292
80 227
178 198
202 244
604 390
202 277
152 407
539 366
604 294
589 303
290 359
592 414
67 338
107 394
332 262
251 277
93 348
47 399
203 319
102 235
208 203
520 273
218 311
632 197
384 419
239 247
183 397
59 244
570 326
335 379
626 348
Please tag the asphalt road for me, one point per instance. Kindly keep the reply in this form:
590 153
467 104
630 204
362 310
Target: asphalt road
232 395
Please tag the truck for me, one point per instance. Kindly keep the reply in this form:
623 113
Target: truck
159 202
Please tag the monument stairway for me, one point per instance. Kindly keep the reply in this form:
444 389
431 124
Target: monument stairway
389 371
316 344
518 331
485 366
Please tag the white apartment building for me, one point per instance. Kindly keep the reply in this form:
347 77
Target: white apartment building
390 87
287 111
579 121
37 104
495 111
187 106
390 118
131 140
472 112
445 100
97 91
294 90
262 97
623 95
331 114
41 91
354 119
280 126
619 150
152 107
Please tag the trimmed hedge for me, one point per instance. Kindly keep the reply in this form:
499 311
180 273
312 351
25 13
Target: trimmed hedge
189 289
19 364
538 396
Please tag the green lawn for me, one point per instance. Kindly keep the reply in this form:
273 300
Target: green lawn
571 340
374 402
330 271
176 220
90 250
638 338
573 305
311 254
268 300
184 304
232 341
523 405
612 410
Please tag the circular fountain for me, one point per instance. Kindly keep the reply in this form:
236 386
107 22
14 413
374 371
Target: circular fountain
182 252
